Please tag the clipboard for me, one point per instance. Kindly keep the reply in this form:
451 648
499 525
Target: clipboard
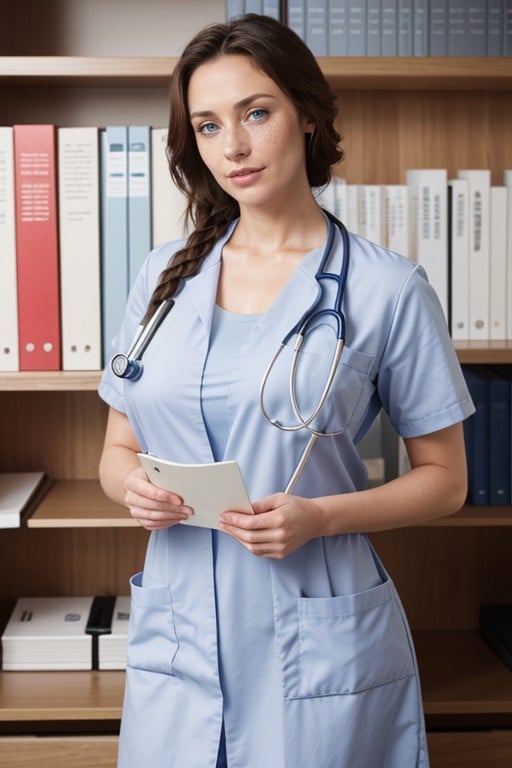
209 488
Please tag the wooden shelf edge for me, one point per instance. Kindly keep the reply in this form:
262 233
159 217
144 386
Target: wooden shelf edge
439 73
46 381
79 504
472 517
485 352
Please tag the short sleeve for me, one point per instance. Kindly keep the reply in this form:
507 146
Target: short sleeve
420 381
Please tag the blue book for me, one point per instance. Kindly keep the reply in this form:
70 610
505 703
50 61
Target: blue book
272 8
499 436
373 28
405 26
296 17
438 28
139 198
476 432
337 43
495 27
234 8
478 27
114 232
356 21
253 6
316 26
420 28
507 29
389 28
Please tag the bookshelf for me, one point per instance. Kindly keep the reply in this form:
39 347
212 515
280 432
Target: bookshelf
433 112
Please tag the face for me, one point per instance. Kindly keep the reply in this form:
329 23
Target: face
248 132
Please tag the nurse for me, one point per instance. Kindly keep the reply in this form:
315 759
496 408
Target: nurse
277 641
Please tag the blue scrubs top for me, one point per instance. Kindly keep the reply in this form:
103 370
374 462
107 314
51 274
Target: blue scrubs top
335 659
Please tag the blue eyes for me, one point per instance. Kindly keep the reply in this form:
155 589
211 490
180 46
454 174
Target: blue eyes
255 116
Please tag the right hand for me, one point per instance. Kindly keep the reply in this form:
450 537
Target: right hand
154 508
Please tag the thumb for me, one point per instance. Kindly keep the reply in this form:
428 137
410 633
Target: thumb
267 503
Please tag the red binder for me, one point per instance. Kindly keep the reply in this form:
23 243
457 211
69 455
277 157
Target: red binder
37 247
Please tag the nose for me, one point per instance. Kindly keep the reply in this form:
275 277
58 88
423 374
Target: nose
236 143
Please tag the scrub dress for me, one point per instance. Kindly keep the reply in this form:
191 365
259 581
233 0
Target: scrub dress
305 661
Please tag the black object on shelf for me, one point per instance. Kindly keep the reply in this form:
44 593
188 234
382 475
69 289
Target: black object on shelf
496 630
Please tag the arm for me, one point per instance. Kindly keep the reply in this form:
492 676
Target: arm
435 486
124 481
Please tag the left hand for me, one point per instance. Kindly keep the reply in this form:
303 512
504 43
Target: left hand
281 524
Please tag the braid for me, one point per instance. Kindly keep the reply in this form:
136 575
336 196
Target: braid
186 262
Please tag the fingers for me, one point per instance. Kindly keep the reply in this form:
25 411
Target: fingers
154 508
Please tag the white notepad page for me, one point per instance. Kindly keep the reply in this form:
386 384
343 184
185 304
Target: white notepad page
208 488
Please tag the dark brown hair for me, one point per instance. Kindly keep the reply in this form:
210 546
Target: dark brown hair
284 57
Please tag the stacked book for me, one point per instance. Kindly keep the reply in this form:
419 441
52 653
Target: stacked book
66 633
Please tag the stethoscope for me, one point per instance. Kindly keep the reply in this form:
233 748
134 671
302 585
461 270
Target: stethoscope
129 365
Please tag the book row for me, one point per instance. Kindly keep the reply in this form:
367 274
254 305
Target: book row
488 435
67 633
458 229
393 27
80 208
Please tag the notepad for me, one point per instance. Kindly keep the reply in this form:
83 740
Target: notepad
209 488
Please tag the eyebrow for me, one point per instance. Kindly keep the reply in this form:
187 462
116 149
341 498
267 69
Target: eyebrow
242 103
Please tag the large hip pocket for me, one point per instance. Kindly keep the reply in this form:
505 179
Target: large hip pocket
350 643
152 642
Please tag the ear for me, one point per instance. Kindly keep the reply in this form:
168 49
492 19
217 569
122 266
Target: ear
308 125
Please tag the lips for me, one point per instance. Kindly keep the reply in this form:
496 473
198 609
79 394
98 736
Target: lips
243 172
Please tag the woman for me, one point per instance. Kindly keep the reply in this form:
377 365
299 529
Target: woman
277 640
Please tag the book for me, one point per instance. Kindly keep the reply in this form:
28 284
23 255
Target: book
337 43
45 633
395 213
495 27
438 18
476 434
79 232
296 17
9 356
373 28
114 229
429 227
405 27
209 488
498 263
499 436
479 268
507 180
139 198
389 28
272 8
168 202
112 645
234 8
420 28
35 173
458 256
20 492
370 223
356 26
316 26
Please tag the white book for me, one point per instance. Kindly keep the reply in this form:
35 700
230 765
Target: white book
429 230
459 257
112 647
340 199
169 202
209 488
395 211
352 218
325 196
48 633
80 260
498 264
18 490
479 267
9 357
370 213
507 178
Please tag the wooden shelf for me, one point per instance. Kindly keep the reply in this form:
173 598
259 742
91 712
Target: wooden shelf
79 504
460 676
345 73
59 696
470 517
41 381
485 352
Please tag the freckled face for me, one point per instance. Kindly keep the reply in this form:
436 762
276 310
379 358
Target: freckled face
248 132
